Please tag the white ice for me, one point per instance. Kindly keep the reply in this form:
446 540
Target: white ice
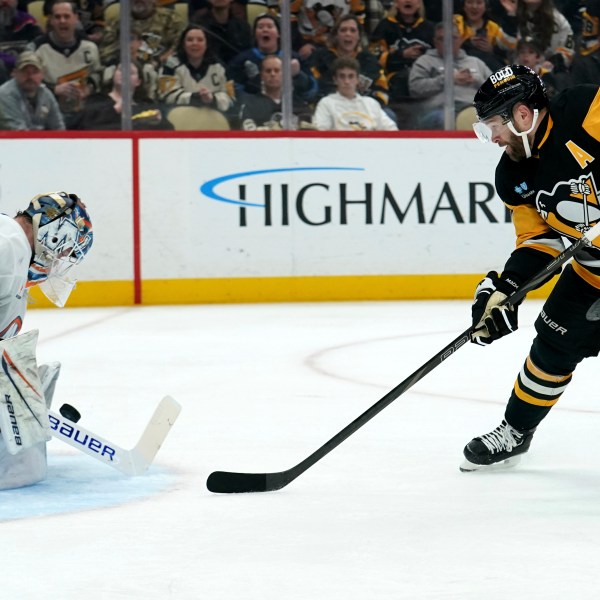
387 515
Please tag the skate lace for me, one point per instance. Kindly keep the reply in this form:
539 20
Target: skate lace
502 438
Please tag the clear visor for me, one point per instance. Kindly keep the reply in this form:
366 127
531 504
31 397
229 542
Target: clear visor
59 284
487 130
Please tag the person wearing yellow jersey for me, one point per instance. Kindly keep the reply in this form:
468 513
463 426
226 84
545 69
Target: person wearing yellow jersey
483 37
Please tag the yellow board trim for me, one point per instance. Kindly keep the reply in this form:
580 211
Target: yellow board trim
90 293
315 289
275 289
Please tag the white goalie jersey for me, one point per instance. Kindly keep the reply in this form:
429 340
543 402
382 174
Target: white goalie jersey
15 253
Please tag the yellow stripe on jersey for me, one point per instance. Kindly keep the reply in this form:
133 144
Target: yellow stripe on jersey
587 276
529 224
591 123
547 132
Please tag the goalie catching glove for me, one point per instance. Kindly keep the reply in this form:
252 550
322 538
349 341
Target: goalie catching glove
491 319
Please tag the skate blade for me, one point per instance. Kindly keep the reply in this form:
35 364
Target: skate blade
467 466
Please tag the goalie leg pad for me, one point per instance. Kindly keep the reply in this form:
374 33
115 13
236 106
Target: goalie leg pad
48 376
26 468
23 411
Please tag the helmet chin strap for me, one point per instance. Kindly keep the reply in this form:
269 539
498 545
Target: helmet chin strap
523 134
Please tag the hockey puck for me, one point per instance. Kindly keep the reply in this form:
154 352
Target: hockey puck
70 412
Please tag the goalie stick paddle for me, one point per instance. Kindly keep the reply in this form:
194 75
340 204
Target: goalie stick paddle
226 482
130 462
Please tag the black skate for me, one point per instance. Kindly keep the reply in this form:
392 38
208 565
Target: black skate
503 445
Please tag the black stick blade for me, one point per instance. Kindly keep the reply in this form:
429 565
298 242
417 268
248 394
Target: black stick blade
224 482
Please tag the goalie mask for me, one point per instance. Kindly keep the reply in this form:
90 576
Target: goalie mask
62 236
501 92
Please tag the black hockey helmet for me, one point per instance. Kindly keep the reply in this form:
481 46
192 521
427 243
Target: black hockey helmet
507 86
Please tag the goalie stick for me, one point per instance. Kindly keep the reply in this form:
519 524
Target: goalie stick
227 482
131 462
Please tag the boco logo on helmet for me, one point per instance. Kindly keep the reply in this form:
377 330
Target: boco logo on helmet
502 76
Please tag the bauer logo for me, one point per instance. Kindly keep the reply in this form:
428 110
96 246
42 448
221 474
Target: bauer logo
74 433
322 196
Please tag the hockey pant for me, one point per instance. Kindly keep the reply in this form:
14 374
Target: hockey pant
568 330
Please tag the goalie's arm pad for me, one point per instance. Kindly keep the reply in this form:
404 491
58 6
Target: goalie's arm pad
23 411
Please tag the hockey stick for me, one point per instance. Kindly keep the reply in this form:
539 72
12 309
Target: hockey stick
228 482
131 462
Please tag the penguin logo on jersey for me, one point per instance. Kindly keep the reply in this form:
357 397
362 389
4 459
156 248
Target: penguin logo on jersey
572 207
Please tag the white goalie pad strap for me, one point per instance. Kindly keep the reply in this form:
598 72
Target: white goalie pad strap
23 411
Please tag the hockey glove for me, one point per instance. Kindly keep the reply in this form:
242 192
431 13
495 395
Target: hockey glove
492 320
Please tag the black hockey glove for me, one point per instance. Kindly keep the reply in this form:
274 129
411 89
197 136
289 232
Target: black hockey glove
491 321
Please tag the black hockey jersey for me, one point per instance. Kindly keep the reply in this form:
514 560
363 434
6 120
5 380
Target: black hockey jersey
554 194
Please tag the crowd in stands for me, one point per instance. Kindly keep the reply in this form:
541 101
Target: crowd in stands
355 64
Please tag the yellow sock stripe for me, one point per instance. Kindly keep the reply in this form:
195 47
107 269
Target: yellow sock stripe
529 399
543 375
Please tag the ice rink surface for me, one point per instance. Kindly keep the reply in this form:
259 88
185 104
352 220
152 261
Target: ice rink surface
387 515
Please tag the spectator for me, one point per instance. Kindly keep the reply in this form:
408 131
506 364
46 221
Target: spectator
398 41
198 9
158 29
71 64
540 20
26 104
590 37
17 29
483 37
227 35
313 21
149 73
91 18
244 69
427 79
530 55
346 109
345 41
586 64
194 75
102 111
434 9
263 110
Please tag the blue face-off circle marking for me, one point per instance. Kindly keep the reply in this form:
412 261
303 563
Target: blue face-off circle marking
74 484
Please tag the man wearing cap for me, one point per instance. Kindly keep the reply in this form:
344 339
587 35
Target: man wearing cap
26 104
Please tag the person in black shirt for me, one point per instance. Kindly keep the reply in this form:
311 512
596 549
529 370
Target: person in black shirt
228 35
102 111
263 110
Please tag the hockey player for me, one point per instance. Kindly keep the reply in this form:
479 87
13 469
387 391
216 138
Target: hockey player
37 247
546 177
